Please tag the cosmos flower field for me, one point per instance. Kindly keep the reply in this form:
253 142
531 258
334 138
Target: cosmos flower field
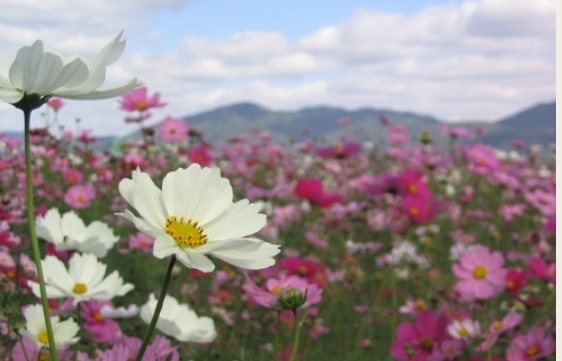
354 250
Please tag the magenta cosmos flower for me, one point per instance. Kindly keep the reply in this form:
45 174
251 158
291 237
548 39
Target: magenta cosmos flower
138 100
420 341
532 346
481 273
173 130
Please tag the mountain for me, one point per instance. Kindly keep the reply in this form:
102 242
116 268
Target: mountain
535 125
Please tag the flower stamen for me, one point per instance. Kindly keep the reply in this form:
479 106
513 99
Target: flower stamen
186 234
79 288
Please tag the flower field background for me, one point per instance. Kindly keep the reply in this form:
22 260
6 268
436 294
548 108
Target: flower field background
403 251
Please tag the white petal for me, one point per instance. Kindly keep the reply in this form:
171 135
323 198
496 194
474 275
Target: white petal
112 92
240 220
193 259
164 246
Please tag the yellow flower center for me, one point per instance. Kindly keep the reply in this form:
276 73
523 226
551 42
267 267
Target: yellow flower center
480 272
186 234
497 325
98 317
426 343
141 105
420 305
276 289
43 338
79 288
414 211
532 351
412 188
462 332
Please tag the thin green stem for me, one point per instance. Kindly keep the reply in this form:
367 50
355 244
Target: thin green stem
33 234
298 326
157 310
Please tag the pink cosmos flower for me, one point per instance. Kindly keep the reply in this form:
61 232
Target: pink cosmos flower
173 130
80 196
274 286
531 346
312 190
141 241
138 100
542 270
339 151
202 155
101 328
311 270
481 273
72 176
420 341
509 322
55 103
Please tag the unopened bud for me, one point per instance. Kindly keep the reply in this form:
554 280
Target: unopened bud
290 298
425 137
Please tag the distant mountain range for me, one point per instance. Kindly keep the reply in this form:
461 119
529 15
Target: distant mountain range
535 125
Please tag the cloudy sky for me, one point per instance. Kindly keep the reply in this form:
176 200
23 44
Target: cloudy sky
455 60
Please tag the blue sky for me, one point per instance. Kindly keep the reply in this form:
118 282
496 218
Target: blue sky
216 19
456 60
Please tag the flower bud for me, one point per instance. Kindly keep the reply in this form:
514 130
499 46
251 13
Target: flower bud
290 298
425 137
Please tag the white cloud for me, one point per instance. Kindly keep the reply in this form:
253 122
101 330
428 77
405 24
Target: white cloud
470 60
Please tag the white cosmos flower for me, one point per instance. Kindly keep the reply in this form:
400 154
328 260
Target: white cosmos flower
34 71
64 332
70 233
83 281
193 215
178 321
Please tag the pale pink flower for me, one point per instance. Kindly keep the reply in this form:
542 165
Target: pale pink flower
481 273
509 322
80 196
274 286
173 129
532 346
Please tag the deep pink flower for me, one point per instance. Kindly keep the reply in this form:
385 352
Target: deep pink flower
339 151
481 273
312 190
173 129
80 196
101 328
542 270
138 100
313 271
201 154
531 346
516 280
420 341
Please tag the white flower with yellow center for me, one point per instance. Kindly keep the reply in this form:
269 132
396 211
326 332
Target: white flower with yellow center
178 321
83 281
36 72
64 332
68 232
194 216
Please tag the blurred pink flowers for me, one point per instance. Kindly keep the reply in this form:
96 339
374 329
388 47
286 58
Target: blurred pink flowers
481 273
173 130
531 346
80 196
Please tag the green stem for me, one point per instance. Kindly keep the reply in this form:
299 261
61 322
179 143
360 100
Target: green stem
157 310
298 327
33 235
